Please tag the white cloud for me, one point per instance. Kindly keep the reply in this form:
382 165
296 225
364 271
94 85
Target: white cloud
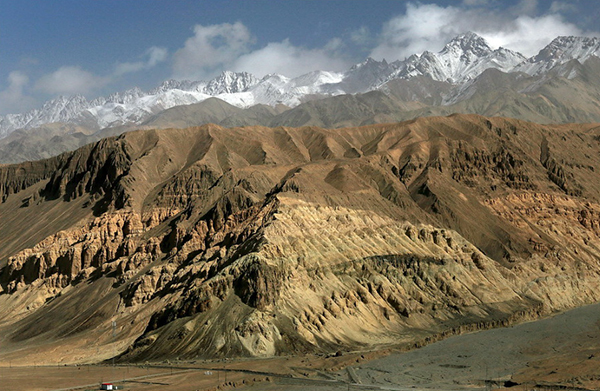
289 60
231 46
422 27
211 49
430 26
17 80
153 57
333 45
70 80
156 55
215 48
361 36
13 99
528 34
226 46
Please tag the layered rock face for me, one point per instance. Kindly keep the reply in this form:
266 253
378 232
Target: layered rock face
212 242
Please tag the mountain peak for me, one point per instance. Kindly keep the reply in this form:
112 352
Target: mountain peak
468 42
230 82
61 102
126 96
560 51
565 40
369 62
462 59
571 46
468 36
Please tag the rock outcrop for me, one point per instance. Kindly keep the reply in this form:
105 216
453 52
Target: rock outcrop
212 242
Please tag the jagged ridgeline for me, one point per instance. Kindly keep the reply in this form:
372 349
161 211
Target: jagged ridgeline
255 241
561 84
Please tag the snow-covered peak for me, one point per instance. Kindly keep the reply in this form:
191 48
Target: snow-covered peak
467 45
369 62
462 59
570 48
184 85
560 51
275 78
126 96
317 78
230 82
61 109
63 102
505 59
367 75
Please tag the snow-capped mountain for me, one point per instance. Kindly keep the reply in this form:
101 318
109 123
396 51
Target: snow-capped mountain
367 75
459 62
61 109
230 83
134 106
560 51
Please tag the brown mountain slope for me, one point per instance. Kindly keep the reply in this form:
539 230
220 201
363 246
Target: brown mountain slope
215 111
43 142
259 241
52 139
348 110
568 93
418 89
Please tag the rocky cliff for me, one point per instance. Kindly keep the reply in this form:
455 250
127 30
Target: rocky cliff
211 242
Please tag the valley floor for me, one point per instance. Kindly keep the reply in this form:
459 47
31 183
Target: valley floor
558 352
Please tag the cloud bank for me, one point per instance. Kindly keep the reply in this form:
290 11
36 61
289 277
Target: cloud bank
289 60
18 96
215 48
422 27
70 80
13 98
211 49
430 26
152 57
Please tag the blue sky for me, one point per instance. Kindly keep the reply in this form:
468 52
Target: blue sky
96 47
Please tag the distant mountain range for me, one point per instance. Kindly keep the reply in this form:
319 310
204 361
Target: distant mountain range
557 85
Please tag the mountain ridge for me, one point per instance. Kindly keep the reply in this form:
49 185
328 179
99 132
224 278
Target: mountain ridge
211 242
460 61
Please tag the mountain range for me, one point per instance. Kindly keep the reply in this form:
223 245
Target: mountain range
456 68
211 242
328 213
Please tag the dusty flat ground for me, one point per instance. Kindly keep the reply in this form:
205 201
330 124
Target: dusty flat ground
561 351
38 378
126 377
198 375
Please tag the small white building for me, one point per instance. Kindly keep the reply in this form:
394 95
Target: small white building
107 386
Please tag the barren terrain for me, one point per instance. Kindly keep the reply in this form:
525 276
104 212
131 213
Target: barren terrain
205 243
561 351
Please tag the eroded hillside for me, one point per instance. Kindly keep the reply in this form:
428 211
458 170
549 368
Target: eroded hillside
208 242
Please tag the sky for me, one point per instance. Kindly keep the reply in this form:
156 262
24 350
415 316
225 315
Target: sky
97 47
